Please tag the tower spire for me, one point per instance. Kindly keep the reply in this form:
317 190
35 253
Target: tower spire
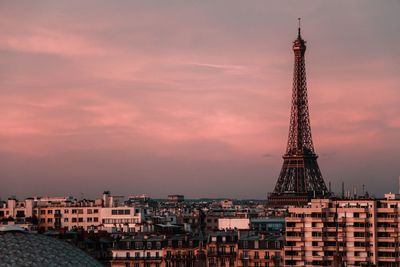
299 30
300 177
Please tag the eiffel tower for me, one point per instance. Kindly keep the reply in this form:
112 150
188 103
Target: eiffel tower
300 178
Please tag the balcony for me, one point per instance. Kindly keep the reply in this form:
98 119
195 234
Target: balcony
387 219
386 249
294 229
226 254
294 257
294 248
294 238
387 229
138 258
386 210
294 219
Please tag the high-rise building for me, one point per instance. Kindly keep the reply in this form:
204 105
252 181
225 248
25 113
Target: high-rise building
344 232
300 177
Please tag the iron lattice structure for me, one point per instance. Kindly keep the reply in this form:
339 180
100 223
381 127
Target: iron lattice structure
300 174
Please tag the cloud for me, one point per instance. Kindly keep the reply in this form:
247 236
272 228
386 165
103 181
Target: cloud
191 93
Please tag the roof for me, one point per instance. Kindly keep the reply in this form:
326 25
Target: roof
19 248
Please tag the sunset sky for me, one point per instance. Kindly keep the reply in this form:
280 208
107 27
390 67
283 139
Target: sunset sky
193 97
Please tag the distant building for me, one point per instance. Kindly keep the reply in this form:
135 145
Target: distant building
227 204
258 250
176 198
233 223
49 213
268 224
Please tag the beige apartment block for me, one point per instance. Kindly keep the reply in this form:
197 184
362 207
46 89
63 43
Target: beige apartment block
347 232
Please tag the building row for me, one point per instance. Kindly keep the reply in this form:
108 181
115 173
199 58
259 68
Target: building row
219 249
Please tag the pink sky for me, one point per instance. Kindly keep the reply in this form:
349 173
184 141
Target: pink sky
192 97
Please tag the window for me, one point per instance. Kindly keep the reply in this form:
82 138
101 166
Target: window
89 211
49 220
95 211
42 212
66 211
89 219
49 211
74 211
73 219
80 219
120 212
95 219
65 219
20 213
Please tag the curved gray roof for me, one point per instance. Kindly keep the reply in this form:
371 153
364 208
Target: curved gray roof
28 249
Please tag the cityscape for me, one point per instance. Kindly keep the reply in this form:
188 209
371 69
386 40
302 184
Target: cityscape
172 159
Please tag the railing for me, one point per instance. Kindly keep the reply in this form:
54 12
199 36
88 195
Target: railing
137 258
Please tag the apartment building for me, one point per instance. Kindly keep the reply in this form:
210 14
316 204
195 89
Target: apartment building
259 250
158 251
347 232
222 249
66 213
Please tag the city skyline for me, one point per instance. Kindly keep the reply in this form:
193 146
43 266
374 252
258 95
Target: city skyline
193 98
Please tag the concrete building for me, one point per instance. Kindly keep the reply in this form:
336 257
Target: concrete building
176 198
259 250
349 232
54 213
158 251
233 223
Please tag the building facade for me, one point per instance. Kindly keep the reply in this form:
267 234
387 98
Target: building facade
348 232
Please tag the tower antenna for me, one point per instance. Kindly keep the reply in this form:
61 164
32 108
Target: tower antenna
299 19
